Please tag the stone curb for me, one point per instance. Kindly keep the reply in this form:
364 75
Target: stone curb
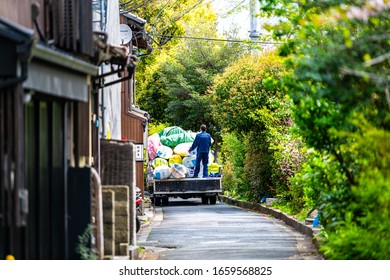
309 231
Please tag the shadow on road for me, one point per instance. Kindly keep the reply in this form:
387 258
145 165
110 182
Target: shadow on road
174 202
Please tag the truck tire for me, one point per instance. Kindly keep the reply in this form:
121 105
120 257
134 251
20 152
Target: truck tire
157 201
165 201
205 200
213 199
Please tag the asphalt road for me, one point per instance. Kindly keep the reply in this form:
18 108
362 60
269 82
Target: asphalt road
189 230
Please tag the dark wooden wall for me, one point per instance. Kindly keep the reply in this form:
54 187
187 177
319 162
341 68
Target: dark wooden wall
20 11
133 127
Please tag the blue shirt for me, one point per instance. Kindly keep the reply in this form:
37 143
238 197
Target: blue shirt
202 142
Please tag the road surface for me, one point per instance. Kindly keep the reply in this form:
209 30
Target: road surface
189 230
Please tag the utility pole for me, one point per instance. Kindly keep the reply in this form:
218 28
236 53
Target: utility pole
254 29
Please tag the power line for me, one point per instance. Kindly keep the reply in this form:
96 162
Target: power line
218 40
159 12
177 18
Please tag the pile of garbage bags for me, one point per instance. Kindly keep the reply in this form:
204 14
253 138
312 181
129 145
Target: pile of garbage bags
169 157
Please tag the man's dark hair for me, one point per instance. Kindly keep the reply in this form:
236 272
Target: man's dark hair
203 127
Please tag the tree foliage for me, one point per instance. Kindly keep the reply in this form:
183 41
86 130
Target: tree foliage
340 90
164 18
246 98
310 124
233 157
249 101
174 89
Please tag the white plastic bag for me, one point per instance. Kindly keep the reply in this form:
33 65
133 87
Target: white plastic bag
179 171
189 161
164 152
162 172
182 149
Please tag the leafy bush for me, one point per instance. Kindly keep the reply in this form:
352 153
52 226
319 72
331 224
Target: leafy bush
342 103
258 167
156 127
364 233
83 248
246 97
249 99
233 159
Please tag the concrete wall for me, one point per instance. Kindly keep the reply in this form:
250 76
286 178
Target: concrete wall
116 220
109 222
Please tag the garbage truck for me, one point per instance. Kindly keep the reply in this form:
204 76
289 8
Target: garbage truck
170 173
207 189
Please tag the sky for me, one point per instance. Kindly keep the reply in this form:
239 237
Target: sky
233 13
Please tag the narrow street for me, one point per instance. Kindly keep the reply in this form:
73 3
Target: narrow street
189 230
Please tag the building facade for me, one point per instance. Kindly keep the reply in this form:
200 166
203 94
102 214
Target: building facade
50 125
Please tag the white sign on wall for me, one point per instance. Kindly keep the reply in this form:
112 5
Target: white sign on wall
139 152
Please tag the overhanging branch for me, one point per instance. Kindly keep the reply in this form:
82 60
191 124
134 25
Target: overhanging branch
379 79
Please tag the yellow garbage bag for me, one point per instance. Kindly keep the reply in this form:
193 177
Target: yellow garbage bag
159 162
175 159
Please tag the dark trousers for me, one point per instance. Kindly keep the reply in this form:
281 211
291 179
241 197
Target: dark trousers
204 158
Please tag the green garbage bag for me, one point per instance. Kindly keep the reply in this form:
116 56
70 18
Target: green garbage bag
174 135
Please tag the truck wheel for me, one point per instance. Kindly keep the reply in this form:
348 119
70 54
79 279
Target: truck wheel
157 201
165 201
213 199
205 200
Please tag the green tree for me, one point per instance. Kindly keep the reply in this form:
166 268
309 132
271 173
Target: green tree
249 101
152 90
174 89
340 88
233 157
164 17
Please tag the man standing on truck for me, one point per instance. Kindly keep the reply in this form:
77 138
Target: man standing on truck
202 143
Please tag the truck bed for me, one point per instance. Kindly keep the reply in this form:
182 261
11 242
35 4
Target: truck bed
194 186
